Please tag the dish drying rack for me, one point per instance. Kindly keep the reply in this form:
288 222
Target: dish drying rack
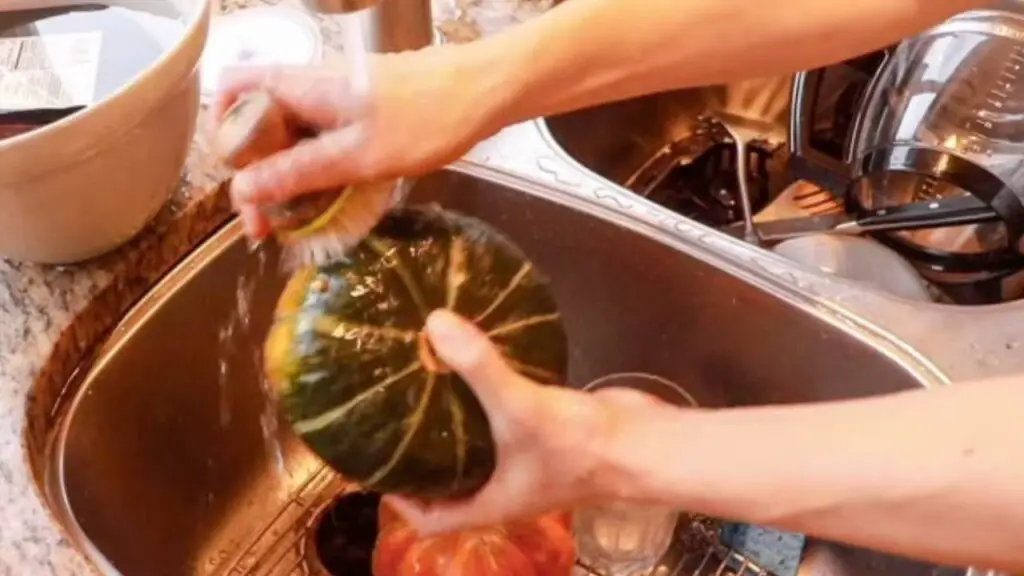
716 560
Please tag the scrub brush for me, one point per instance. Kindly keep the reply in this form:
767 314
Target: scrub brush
316 228
320 227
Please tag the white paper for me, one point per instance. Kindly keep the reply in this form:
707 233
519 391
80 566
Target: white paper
50 71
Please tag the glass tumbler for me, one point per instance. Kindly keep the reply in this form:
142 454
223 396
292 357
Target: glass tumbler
620 539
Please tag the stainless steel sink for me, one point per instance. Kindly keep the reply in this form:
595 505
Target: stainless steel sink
600 151
618 141
161 464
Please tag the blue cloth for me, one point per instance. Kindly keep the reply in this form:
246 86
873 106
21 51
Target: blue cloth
775 551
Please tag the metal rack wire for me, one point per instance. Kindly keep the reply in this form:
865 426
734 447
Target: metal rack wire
284 547
716 561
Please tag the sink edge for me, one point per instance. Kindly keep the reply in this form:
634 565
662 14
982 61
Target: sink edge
878 337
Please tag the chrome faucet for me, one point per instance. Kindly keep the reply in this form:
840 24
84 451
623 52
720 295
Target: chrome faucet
388 25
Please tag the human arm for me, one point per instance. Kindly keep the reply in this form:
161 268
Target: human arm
935 474
586 52
431 106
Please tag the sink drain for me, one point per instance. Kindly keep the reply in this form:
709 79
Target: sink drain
344 535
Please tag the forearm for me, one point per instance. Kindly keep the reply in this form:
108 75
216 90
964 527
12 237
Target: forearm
585 52
937 475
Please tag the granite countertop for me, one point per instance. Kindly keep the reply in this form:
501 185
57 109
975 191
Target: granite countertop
51 317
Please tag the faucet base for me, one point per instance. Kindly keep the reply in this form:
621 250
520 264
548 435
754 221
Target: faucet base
388 25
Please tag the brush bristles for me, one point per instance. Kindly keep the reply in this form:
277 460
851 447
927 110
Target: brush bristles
361 211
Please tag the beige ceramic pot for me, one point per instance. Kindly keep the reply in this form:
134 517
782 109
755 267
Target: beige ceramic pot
88 183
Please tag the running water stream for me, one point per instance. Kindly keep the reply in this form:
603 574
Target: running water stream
234 330
236 327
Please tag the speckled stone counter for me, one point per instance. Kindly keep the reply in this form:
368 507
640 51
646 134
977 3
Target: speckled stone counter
52 317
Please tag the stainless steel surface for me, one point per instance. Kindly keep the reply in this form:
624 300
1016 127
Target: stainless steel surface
338 6
591 153
745 130
616 141
403 24
160 465
841 223
785 228
388 25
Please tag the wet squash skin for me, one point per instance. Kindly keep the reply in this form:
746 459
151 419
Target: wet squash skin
355 376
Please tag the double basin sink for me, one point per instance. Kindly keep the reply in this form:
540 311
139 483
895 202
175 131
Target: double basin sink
169 461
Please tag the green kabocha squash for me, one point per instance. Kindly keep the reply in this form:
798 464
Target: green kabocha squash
354 373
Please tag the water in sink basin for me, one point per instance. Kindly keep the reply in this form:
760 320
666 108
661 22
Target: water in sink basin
146 478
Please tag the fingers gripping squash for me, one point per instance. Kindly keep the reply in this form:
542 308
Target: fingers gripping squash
355 375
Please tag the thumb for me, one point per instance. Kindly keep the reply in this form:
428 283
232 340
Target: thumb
471 354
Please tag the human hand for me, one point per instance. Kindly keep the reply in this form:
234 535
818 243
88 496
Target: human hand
425 109
548 439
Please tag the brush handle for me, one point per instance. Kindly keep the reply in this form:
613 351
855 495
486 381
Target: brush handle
255 127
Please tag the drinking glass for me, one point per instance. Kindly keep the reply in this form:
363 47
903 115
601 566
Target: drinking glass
622 539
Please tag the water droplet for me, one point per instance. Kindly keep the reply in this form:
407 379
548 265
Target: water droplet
226 342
